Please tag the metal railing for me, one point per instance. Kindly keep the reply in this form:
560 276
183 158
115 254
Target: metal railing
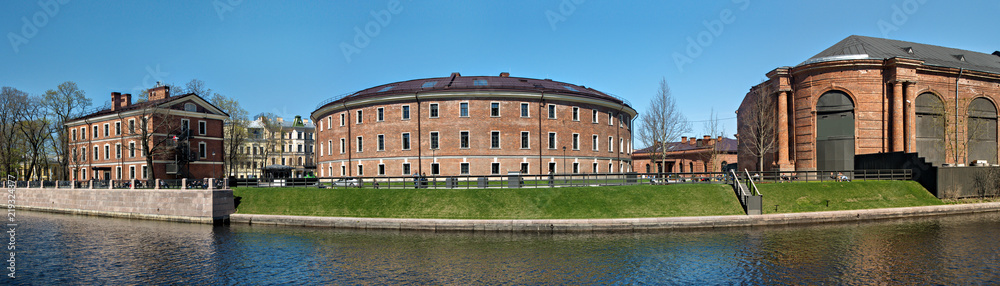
221 183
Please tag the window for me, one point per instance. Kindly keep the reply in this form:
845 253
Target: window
576 167
611 143
361 170
428 84
494 109
343 146
329 122
524 110
434 140
107 152
384 89
74 134
464 168
202 127
406 168
406 141
621 141
552 140
576 141
463 140
118 150
479 82
94 133
381 142
406 112
343 170
381 169
131 125
611 119
202 150
494 139
360 144
524 139
552 111
597 171
321 150
434 110
131 172
359 117
495 168
83 173
342 118
118 128
380 114
185 125
576 113
552 167
145 171
594 142
463 109
190 107
435 169
524 167
106 131
329 147
83 153
83 133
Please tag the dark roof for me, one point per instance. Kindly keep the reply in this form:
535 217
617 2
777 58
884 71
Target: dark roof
466 83
725 145
876 48
105 110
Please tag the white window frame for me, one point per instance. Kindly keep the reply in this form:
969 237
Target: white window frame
435 140
343 145
553 111
525 110
360 114
433 110
202 127
404 112
380 114
465 109
553 140
596 141
498 143
468 139
576 113
525 140
360 142
202 150
380 143
497 114
576 141
404 141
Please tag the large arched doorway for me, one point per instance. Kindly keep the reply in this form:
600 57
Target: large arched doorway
834 132
930 128
982 131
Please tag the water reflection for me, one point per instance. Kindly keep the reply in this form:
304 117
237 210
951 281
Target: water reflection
64 249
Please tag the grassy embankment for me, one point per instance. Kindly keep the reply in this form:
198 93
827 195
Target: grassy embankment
526 203
577 202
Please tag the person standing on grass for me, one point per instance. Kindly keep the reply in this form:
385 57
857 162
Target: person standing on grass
416 179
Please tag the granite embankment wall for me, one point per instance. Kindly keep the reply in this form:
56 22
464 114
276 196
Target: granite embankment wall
631 224
186 205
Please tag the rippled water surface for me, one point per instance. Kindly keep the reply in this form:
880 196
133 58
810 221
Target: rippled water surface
56 249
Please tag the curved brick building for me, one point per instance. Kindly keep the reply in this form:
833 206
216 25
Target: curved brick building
473 125
868 95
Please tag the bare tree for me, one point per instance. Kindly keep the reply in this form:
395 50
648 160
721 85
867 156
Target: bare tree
234 131
154 121
758 123
65 102
662 122
714 128
12 105
34 130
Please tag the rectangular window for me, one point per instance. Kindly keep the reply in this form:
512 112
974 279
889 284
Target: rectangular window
145 171
97 153
494 109
343 146
434 140
131 125
94 133
595 168
524 110
463 140
359 116
552 111
118 172
406 169
329 123
74 134
576 167
83 153
611 118
594 142
106 131
83 133
360 144
435 169
118 150
343 169
463 109
381 142
107 152
524 167
118 128
83 173
380 114
381 169
342 119
361 170
131 172
131 149
576 141
406 112
185 125
406 141
202 127
495 139
524 139
621 141
434 110
576 113
329 147
611 143
552 140
552 167
495 168
202 150
464 168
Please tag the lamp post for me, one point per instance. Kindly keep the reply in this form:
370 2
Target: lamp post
564 164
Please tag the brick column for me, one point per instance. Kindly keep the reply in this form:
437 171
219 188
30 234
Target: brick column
911 117
897 116
782 129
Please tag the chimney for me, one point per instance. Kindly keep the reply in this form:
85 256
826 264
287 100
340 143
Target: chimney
505 74
115 100
996 53
159 92
455 74
684 139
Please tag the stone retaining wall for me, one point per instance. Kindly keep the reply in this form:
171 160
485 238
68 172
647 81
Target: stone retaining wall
587 225
190 205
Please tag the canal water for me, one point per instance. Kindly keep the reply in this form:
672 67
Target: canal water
58 249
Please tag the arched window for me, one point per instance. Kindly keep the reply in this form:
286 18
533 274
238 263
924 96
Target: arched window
930 128
190 107
834 132
982 131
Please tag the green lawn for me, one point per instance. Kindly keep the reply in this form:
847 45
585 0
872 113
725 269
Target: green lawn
814 196
525 203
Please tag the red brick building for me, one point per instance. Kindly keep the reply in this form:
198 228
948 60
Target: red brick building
690 155
868 95
473 125
182 134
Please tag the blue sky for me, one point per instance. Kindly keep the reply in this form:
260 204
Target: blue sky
285 57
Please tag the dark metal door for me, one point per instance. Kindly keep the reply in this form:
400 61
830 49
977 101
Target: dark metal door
834 132
930 128
982 131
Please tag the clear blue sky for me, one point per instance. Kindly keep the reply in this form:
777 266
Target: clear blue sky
285 57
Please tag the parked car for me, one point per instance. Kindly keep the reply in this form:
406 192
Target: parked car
346 182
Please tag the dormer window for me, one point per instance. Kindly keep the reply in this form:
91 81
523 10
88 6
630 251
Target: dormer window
190 107
959 57
908 50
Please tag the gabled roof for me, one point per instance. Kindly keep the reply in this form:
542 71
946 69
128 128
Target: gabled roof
724 145
861 47
144 104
